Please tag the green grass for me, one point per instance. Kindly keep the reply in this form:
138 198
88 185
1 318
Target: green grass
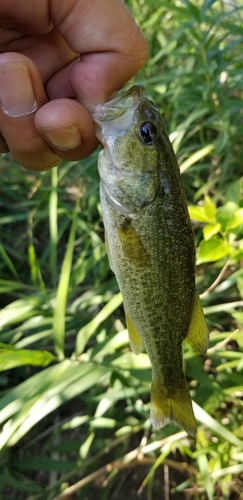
74 400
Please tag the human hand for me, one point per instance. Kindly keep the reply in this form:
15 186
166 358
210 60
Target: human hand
57 59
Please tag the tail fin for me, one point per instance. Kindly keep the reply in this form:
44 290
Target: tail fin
176 407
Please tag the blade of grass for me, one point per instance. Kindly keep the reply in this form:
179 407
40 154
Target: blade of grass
158 462
8 262
19 310
87 331
195 157
62 290
11 357
202 461
53 200
215 426
42 393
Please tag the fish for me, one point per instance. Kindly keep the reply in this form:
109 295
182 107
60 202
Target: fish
150 245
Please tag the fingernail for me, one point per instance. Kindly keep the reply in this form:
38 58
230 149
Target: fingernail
17 93
64 138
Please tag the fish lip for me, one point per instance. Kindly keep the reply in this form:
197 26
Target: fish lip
136 91
116 107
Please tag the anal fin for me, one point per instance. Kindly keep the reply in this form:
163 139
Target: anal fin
134 337
197 333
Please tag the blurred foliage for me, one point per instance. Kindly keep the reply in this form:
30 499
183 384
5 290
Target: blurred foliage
74 401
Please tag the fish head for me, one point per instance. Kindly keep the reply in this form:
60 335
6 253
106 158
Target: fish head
128 128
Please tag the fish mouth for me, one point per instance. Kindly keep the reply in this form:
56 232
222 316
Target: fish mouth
119 111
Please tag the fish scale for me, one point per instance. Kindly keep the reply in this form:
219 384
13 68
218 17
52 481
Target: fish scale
151 247
158 283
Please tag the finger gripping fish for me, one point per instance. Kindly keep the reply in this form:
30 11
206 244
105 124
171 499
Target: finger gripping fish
150 245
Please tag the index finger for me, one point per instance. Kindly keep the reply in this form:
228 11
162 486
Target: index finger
111 45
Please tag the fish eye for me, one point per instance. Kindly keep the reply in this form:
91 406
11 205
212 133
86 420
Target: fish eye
147 133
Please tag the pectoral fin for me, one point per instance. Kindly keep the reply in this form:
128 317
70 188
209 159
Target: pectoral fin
132 245
134 337
198 330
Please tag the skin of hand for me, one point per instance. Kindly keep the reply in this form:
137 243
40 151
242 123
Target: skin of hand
57 59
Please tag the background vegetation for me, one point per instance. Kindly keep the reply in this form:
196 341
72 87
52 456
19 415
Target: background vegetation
74 401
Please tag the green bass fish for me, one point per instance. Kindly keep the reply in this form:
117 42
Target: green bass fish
150 245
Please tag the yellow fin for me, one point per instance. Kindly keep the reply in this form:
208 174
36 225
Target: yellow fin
132 246
134 337
197 333
176 407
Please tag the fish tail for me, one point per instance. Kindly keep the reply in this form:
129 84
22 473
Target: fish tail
175 408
